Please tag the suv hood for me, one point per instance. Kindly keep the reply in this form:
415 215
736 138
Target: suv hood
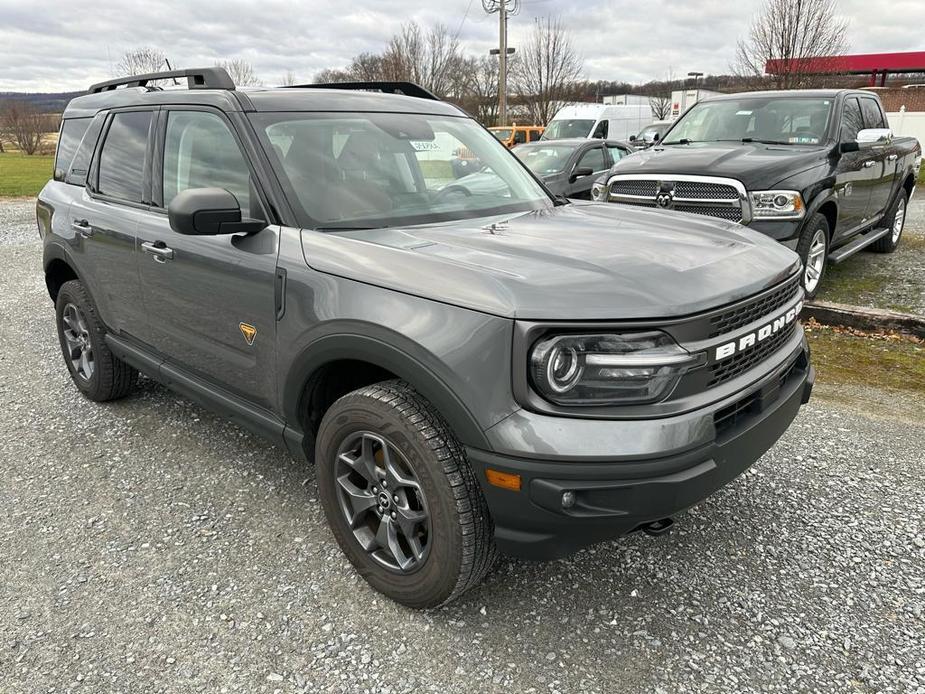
574 262
757 166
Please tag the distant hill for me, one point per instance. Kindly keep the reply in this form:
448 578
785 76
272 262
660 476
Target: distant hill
47 103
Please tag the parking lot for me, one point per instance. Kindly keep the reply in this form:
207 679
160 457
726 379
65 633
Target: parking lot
147 545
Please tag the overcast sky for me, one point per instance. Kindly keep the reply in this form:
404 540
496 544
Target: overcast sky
61 45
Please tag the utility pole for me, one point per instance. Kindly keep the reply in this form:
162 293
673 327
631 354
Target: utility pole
504 8
502 63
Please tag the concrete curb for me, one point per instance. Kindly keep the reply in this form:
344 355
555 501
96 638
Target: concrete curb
862 318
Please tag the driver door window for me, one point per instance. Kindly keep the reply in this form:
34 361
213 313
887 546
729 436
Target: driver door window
593 159
201 152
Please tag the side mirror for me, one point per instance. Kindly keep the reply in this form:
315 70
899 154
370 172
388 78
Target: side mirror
871 137
209 212
655 138
632 138
580 173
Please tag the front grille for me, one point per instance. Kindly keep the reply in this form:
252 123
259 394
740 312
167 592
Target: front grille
705 191
742 315
727 369
733 214
639 188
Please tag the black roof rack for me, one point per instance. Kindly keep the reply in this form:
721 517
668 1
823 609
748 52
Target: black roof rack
196 78
406 88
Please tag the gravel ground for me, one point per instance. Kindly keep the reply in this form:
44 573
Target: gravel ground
17 222
894 281
148 546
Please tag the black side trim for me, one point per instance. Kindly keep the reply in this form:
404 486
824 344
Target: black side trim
406 88
254 419
196 78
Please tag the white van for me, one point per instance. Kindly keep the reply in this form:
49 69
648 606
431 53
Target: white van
598 121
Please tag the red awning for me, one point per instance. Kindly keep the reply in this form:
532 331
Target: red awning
851 64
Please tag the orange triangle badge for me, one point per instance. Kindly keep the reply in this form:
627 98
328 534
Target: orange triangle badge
249 332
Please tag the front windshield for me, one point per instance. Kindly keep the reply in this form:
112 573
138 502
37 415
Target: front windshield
370 170
566 128
544 159
773 120
504 135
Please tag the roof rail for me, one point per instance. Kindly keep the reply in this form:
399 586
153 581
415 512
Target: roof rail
196 78
406 88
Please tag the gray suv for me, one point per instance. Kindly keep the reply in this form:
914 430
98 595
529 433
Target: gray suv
472 368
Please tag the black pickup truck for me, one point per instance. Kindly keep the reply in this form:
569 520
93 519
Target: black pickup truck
818 170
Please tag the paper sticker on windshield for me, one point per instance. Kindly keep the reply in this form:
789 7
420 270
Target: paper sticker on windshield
424 146
743 113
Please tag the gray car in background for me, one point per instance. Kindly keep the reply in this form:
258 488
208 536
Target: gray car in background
570 167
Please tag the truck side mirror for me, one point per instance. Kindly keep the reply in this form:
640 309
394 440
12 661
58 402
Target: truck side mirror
209 212
872 137
632 138
580 173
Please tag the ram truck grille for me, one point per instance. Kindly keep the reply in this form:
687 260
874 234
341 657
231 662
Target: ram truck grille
713 197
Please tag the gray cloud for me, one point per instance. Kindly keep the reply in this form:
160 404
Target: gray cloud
51 45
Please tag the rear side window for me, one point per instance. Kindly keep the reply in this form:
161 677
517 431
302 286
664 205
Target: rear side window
873 116
851 122
520 136
122 159
72 130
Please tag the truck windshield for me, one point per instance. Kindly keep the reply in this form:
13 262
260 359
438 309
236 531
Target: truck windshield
773 120
371 170
566 128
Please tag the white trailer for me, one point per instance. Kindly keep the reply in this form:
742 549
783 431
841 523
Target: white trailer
683 99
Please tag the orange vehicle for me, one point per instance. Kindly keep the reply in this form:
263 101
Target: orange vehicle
518 134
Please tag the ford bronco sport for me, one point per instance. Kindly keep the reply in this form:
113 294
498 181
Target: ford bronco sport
472 368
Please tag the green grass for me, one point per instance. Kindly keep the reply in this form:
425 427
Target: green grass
21 175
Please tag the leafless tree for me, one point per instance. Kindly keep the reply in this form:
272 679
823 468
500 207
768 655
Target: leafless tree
799 33
288 79
22 124
141 61
481 91
548 66
660 96
332 75
428 57
241 72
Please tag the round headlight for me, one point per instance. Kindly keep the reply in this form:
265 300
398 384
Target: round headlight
781 201
563 369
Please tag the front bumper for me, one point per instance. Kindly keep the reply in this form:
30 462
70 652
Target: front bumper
616 496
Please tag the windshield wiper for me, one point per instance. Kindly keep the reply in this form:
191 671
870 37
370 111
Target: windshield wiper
348 228
764 142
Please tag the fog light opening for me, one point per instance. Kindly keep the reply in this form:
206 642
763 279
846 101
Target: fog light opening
568 499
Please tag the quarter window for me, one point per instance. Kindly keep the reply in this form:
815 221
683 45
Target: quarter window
72 130
122 159
616 153
201 152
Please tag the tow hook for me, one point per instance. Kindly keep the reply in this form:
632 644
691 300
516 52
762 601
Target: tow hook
659 527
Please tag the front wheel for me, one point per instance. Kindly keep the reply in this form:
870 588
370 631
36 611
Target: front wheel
400 497
813 249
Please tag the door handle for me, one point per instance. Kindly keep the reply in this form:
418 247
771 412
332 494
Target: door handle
868 164
892 157
159 250
82 227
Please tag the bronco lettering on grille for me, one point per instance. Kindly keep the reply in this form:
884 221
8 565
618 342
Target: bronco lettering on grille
751 339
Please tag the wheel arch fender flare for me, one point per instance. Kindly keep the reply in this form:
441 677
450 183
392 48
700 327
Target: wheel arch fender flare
828 196
52 254
378 352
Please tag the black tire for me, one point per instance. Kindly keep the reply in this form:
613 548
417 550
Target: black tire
895 217
110 378
459 550
808 243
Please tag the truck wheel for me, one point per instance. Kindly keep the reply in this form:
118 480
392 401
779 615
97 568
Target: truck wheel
96 372
400 496
896 218
813 249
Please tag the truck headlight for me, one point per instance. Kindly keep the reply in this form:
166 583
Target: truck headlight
598 190
609 369
777 204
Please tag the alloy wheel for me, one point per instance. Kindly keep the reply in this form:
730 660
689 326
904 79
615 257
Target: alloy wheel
77 340
899 219
382 502
815 261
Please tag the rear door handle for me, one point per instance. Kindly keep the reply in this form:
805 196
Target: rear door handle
82 227
892 157
868 164
159 250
